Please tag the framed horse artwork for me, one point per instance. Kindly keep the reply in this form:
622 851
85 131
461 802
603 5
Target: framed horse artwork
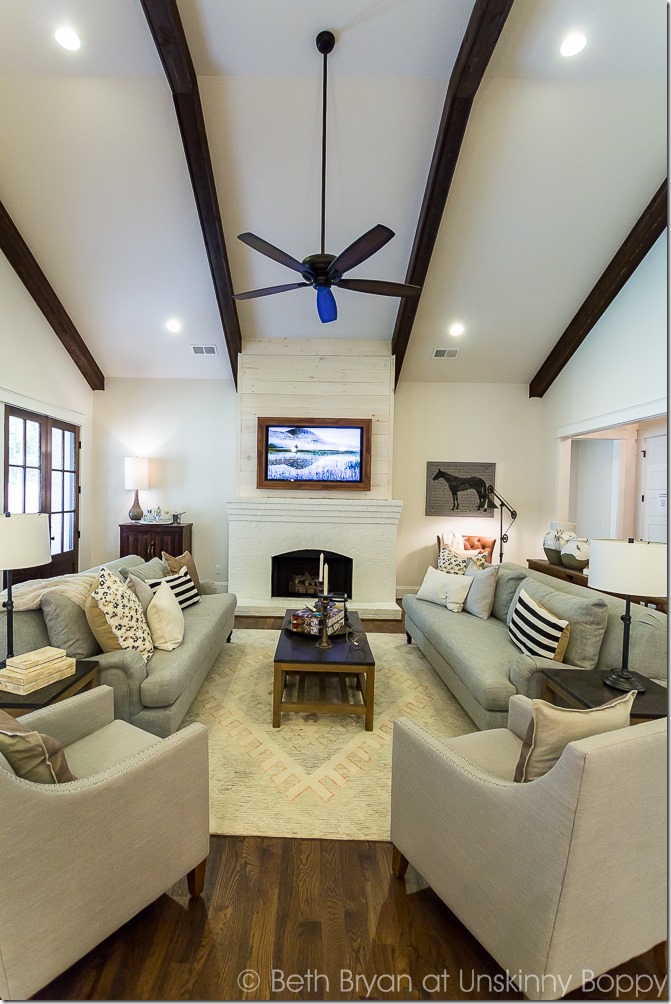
457 488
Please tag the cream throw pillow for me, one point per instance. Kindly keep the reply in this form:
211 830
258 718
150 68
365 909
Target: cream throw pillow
444 588
551 729
165 619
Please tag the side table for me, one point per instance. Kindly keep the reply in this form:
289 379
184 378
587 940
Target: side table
85 677
584 688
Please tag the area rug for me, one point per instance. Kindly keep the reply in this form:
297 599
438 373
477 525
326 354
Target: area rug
318 775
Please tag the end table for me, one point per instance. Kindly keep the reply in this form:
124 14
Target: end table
584 688
85 677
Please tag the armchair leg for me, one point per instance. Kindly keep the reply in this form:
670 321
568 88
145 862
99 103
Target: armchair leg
408 638
660 954
399 863
195 879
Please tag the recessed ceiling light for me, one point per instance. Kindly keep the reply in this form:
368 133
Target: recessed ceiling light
173 325
573 44
68 38
456 328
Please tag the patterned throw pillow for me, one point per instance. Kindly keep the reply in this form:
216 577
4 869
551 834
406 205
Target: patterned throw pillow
123 613
182 586
456 562
535 631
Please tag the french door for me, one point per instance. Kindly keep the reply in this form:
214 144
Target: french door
42 475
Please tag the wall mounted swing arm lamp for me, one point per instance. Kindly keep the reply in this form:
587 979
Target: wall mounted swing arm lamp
491 504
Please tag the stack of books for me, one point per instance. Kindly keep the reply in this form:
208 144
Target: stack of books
22 674
309 621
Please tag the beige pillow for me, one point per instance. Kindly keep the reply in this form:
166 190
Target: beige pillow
32 755
165 619
141 589
175 566
551 729
444 588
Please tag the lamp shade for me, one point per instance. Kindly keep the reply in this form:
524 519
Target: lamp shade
24 540
136 472
631 568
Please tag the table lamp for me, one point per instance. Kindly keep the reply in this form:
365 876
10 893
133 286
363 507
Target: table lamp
136 478
630 568
25 542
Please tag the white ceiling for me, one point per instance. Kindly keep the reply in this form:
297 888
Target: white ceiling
559 160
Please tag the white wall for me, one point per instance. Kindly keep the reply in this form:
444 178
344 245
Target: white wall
619 374
494 423
188 430
316 378
37 373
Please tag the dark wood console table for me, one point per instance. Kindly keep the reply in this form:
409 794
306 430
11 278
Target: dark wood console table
149 539
580 579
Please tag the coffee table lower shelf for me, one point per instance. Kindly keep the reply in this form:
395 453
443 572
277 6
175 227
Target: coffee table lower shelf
365 684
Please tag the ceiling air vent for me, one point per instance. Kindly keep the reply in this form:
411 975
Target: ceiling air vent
204 350
445 353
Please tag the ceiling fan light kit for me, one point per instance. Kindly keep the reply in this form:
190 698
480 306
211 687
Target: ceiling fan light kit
322 271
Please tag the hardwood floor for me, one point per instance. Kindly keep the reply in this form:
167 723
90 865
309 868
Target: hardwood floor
287 919
370 625
328 913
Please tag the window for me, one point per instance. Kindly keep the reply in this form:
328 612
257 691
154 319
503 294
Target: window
42 475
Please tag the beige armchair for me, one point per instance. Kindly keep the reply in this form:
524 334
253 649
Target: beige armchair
78 860
560 875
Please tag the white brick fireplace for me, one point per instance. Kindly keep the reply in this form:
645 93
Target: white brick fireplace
361 529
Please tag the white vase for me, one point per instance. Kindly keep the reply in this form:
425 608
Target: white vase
553 541
575 553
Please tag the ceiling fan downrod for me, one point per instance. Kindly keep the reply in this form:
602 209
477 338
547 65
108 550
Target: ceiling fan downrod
325 42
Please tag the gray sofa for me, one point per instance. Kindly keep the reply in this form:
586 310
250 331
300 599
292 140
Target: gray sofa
155 696
483 669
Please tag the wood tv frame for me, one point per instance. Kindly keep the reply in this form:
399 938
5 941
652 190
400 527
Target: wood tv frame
365 426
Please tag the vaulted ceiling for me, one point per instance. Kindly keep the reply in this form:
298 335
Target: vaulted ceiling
559 160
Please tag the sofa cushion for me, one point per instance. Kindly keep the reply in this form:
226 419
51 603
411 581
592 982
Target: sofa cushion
479 651
32 755
152 569
68 627
182 586
447 589
185 560
170 673
551 729
506 585
123 613
587 616
536 631
480 597
165 618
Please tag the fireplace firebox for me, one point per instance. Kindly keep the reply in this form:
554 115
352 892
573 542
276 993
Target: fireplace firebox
295 573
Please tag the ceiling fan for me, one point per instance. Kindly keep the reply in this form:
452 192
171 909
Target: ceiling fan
322 271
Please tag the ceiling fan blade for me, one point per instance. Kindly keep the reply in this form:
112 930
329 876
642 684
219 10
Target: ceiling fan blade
362 248
270 289
380 287
270 251
326 304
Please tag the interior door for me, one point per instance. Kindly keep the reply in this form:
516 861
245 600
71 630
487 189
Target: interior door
653 506
42 475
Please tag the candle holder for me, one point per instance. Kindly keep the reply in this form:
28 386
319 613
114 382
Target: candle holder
322 607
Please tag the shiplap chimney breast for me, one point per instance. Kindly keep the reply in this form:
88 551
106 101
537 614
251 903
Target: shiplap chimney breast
324 378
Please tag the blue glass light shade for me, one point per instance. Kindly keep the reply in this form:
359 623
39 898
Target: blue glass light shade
326 304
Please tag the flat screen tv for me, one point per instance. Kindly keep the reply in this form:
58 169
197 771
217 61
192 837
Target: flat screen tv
316 453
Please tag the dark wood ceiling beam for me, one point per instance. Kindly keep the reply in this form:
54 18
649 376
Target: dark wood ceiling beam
168 34
484 29
648 228
22 260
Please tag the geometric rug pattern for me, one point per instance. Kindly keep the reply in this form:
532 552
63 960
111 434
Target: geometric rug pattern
318 775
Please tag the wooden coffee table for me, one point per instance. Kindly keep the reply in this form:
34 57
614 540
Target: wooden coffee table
298 653
85 677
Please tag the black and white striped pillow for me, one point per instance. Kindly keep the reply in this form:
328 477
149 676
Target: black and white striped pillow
535 631
182 586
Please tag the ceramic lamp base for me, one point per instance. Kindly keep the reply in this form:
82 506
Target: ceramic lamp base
135 512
